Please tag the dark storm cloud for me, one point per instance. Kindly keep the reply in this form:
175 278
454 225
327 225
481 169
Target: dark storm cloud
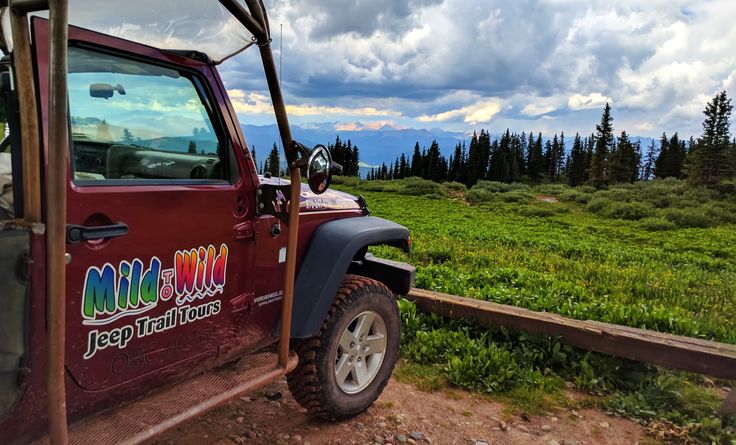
420 49
362 17
444 60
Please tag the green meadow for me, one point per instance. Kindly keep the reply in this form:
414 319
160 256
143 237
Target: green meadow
658 255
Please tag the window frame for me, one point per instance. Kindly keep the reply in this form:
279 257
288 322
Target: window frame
209 102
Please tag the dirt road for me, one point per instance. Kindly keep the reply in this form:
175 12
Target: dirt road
402 414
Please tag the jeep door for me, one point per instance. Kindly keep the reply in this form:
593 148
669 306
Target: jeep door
159 215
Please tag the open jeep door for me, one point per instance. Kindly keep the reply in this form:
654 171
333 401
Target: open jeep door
138 214
159 225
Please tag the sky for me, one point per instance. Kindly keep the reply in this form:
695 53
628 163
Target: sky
462 65
459 65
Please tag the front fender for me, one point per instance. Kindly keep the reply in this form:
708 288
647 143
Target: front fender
328 257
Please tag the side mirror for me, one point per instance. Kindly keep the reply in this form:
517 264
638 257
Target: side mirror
319 169
105 90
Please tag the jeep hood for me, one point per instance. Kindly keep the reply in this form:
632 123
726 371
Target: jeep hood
311 202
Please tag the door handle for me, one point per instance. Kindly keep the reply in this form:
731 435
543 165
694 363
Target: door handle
76 234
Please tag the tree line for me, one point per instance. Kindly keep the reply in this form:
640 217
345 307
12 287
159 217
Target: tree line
345 154
599 159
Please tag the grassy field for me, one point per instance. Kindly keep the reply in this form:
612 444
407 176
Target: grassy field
659 256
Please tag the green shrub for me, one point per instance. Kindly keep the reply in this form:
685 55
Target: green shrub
663 201
630 210
728 190
455 186
576 196
499 187
373 186
657 223
516 196
722 212
419 187
350 181
684 203
475 195
552 189
619 194
599 204
487 191
491 186
484 368
688 218
586 189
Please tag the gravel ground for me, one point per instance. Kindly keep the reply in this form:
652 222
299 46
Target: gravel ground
402 414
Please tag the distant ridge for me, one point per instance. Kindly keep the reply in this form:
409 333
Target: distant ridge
377 145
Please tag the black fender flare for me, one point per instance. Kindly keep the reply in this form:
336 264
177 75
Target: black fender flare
331 251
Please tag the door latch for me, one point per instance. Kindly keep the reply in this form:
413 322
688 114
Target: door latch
245 231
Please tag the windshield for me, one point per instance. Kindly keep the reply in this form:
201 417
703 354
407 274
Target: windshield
203 26
118 100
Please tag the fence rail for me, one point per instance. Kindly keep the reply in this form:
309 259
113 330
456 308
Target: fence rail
671 351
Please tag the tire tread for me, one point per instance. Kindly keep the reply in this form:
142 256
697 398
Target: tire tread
304 382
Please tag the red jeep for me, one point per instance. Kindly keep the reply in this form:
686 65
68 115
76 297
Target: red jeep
189 279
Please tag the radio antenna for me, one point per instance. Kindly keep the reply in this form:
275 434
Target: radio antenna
281 50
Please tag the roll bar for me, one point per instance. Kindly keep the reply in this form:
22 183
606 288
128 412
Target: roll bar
257 23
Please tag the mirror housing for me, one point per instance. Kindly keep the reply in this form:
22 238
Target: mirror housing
319 169
105 90
318 165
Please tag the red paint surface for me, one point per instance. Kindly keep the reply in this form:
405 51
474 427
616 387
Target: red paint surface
162 220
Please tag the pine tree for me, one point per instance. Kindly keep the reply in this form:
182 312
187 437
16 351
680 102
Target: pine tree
603 147
127 138
347 163
648 168
578 165
273 163
462 171
403 167
455 164
416 161
435 168
548 158
355 156
473 162
535 158
671 158
484 151
624 161
253 154
713 160
516 163
423 164
192 147
560 156
499 163
589 148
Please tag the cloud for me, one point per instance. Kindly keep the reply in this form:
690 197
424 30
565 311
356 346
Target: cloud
538 106
650 58
371 125
480 112
257 103
585 101
644 126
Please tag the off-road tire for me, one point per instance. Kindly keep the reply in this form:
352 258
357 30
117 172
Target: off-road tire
313 383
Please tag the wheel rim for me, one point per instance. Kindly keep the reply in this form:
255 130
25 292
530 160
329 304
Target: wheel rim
360 352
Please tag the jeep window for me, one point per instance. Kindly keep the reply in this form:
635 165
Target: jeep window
137 122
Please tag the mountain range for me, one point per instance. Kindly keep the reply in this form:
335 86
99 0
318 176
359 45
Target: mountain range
376 144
